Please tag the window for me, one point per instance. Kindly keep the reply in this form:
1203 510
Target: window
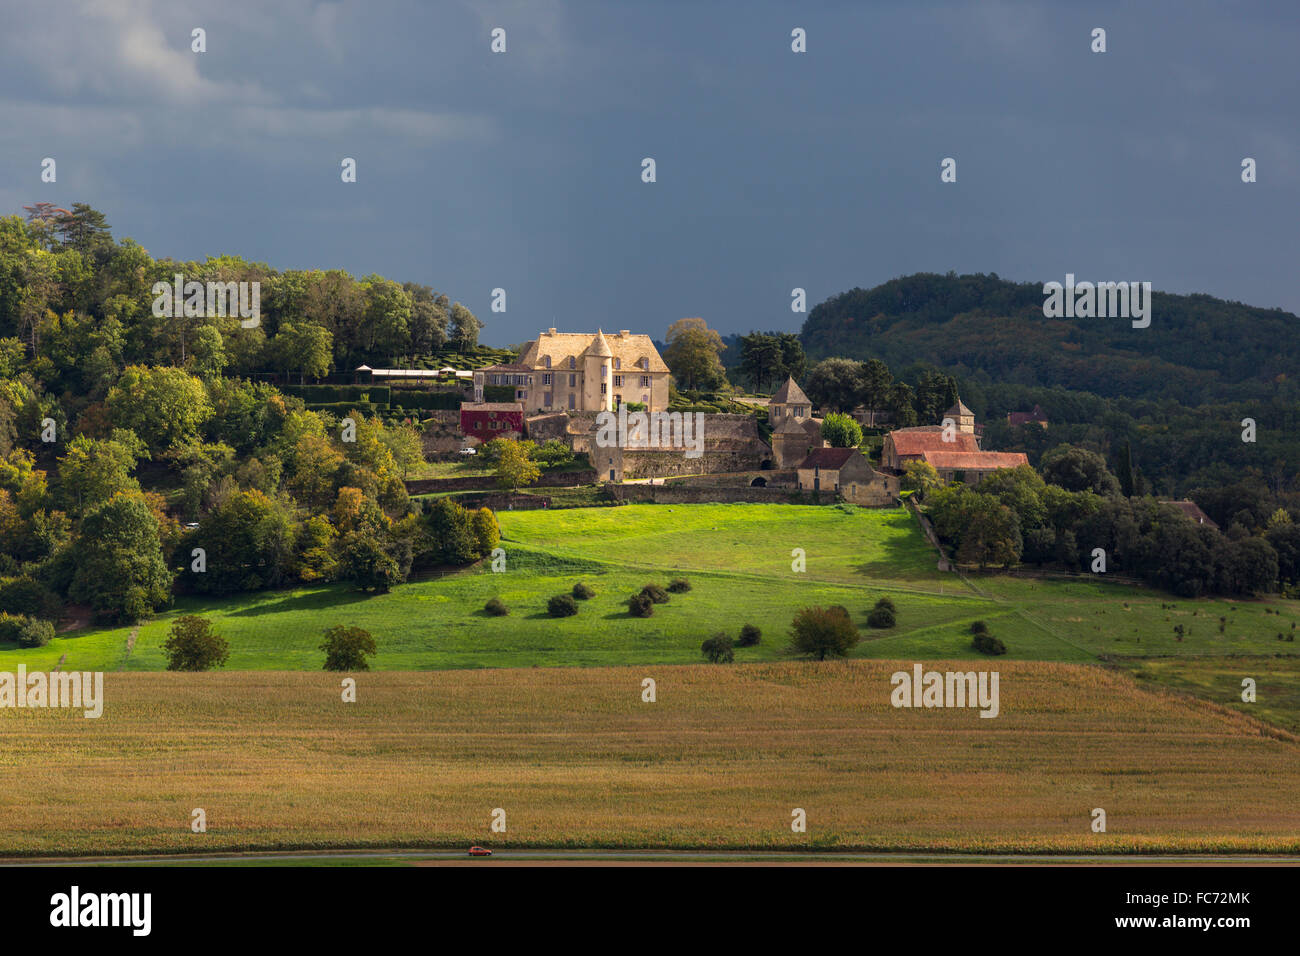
604 371
521 394
798 411
645 381
546 380
570 400
573 381
573 362
645 364
618 363
618 381
547 360
603 388
548 401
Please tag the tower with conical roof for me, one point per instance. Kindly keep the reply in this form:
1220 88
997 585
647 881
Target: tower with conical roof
794 431
598 382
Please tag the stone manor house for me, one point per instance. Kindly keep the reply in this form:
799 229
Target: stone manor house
562 381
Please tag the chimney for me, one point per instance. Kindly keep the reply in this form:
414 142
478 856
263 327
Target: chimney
624 333
550 331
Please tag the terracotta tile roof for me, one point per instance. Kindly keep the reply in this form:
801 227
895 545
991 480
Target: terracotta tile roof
917 441
974 460
491 407
1024 418
828 459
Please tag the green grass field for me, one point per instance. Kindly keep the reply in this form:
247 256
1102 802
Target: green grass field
739 559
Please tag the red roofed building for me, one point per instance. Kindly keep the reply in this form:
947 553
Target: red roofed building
911 444
488 420
1036 417
972 465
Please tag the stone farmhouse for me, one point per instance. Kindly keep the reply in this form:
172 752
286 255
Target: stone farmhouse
845 471
1035 417
581 372
955 454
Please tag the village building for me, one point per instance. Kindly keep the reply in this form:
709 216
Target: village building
485 421
1193 512
953 451
846 472
795 432
1035 417
581 372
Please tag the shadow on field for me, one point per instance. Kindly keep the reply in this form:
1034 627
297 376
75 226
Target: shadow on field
316 601
902 560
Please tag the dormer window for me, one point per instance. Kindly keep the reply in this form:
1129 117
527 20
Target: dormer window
645 364
618 363
548 361
573 362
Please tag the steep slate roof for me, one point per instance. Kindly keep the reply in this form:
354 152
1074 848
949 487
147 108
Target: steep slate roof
828 459
1193 511
804 426
974 460
959 410
917 441
789 394
629 349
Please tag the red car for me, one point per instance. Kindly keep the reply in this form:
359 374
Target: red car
479 851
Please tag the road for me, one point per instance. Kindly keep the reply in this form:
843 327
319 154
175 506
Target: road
648 857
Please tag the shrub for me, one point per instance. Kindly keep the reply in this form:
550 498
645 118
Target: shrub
640 605
887 604
979 627
35 633
346 648
679 585
881 617
30 598
583 591
496 607
655 593
11 626
821 632
562 605
749 636
988 644
192 645
718 649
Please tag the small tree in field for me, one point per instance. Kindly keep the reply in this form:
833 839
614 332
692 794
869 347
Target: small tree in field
823 632
192 645
346 648
718 649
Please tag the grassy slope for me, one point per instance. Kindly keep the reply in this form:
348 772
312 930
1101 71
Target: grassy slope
575 757
738 558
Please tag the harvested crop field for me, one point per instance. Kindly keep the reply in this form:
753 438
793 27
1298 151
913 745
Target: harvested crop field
575 757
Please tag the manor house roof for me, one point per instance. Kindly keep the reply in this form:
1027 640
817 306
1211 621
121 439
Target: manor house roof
559 347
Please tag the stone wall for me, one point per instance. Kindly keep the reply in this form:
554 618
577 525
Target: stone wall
441 435
741 479
677 493
548 479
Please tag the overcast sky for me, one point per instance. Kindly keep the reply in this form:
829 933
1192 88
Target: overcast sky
522 170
